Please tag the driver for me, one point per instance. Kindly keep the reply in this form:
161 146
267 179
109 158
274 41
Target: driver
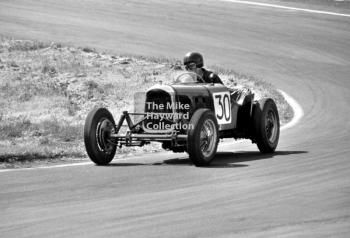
193 61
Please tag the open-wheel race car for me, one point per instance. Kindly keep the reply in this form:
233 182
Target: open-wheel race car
188 115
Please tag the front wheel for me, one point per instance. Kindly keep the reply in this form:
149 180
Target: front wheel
202 137
99 125
266 125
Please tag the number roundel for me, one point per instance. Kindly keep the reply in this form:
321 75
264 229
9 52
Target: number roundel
222 106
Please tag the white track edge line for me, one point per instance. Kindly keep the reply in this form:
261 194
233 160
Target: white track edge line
297 110
45 167
287 8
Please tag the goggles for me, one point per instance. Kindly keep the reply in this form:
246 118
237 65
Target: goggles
190 66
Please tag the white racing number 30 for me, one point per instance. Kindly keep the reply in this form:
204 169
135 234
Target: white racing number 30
222 106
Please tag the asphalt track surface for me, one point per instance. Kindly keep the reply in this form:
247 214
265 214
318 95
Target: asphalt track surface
303 190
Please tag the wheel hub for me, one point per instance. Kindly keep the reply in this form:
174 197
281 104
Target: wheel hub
103 132
208 137
271 126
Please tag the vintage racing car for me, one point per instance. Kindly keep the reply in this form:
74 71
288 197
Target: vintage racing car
188 115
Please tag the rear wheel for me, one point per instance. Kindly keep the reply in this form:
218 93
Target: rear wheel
99 125
266 125
203 137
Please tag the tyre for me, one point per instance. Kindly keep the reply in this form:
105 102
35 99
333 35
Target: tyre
202 137
266 125
99 124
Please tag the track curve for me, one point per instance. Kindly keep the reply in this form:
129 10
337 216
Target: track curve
301 190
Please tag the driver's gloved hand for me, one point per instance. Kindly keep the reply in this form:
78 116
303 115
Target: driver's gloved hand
214 78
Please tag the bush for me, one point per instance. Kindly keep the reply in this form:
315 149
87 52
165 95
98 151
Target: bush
88 50
20 45
14 127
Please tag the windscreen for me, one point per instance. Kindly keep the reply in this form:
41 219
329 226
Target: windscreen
187 77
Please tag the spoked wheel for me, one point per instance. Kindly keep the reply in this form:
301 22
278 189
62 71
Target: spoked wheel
266 125
99 125
203 137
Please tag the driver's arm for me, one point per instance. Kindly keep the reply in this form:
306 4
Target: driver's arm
215 78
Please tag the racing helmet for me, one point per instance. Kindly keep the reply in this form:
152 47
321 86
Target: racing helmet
194 57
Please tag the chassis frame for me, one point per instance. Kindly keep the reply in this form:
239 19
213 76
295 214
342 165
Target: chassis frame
134 136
